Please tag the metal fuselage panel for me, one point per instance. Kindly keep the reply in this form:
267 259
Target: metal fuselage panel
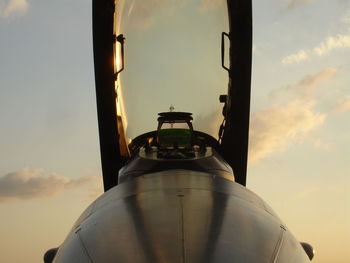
179 216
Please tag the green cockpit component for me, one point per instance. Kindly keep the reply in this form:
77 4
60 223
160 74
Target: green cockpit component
175 130
175 137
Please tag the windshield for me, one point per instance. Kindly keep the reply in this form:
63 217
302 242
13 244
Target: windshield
172 57
175 125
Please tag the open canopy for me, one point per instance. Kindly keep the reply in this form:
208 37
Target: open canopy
149 55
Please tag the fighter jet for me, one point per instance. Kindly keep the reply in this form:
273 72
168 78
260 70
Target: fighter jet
176 194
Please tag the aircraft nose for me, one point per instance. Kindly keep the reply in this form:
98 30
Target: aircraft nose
206 224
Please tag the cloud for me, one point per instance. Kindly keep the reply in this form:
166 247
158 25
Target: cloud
307 85
326 46
332 43
342 106
295 3
305 88
28 184
13 7
277 127
274 128
302 55
208 123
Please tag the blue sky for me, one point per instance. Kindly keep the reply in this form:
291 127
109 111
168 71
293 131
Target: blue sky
299 146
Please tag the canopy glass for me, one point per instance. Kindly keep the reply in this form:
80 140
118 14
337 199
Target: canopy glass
172 57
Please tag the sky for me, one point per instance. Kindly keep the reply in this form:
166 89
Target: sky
299 157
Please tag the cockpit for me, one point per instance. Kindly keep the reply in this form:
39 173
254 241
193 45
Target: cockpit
175 130
175 145
174 133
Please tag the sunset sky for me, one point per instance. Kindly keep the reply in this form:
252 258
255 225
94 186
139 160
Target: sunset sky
299 156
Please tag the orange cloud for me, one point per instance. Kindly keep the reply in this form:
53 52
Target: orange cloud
305 88
274 128
292 117
307 85
34 184
343 105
